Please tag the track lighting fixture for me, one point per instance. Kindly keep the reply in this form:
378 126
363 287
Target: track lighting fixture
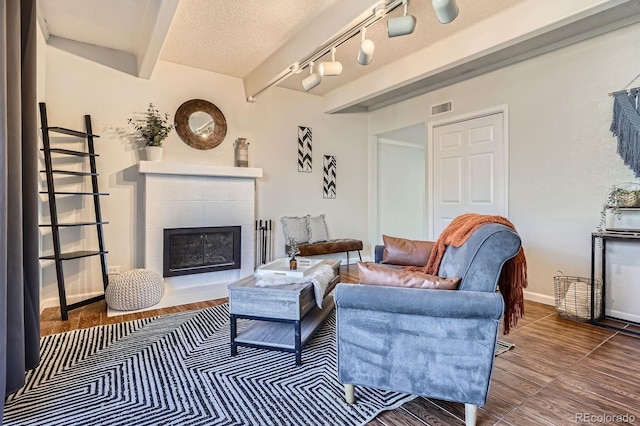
402 25
312 80
365 54
446 10
330 68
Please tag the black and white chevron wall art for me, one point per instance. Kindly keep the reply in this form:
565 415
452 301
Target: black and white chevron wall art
329 179
304 149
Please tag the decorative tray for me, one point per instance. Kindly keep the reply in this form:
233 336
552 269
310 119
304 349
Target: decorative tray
281 267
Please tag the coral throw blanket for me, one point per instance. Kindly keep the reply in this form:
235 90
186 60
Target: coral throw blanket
513 278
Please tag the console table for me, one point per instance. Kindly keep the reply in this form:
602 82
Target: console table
604 236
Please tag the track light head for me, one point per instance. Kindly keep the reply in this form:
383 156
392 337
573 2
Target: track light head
330 68
402 25
365 54
446 10
312 80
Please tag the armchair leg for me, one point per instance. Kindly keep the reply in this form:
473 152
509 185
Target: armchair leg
349 394
470 412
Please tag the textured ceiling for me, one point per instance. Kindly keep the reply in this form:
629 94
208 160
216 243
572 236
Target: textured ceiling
388 50
233 37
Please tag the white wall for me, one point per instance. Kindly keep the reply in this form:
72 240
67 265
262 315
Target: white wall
562 156
75 86
400 190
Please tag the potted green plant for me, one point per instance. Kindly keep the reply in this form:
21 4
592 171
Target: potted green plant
151 129
619 196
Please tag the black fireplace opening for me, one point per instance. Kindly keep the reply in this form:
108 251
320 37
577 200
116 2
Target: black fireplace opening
198 250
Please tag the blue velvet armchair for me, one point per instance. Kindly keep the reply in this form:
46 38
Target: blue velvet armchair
433 343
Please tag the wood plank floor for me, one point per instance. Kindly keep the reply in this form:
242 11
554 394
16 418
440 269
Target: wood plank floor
560 372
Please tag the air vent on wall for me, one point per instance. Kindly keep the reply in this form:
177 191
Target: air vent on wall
441 108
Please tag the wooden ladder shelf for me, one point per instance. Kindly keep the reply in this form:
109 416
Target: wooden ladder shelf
58 256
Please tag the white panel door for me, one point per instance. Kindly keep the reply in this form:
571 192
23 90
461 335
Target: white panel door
469 170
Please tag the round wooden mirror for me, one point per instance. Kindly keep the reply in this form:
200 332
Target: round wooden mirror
200 124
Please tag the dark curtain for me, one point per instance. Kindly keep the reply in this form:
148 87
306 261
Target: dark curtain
19 265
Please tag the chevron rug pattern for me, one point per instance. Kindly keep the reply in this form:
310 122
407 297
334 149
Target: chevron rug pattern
502 347
177 370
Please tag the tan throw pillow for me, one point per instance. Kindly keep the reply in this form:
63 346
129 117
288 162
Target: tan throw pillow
400 251
373 274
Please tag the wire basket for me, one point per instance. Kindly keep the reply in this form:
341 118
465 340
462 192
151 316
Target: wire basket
573 297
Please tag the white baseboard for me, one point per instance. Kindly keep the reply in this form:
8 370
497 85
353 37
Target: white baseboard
53 302
172 297
175 296
356 259
540 298
624 316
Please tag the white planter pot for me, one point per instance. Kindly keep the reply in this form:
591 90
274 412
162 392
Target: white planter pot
154 153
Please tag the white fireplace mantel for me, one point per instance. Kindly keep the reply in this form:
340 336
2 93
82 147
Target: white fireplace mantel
192 196
163 168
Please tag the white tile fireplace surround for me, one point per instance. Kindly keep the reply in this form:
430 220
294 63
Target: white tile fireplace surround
186 196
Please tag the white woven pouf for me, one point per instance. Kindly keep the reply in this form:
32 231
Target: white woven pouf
135 289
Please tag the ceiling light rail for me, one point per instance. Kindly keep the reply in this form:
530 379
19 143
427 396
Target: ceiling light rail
379 12
446 11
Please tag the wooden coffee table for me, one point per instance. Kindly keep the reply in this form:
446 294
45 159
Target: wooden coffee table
284 317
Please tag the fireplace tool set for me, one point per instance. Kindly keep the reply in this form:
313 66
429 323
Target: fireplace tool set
264 242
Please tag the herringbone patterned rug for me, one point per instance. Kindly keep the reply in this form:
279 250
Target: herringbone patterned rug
177 370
